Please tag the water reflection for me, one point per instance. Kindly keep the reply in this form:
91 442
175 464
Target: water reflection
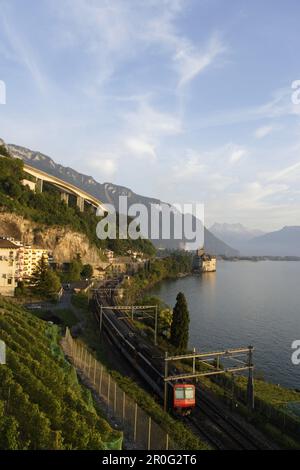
245 303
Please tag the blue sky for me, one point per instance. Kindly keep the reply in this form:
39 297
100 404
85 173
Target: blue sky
185 100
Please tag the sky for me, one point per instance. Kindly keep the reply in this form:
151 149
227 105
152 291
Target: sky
182 100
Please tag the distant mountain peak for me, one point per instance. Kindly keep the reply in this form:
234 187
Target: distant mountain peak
235 229
291 228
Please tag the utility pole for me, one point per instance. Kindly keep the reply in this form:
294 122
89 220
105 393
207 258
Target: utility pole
155 326
194 361
130 312
232 391
101 318
205 359
165 382
250 386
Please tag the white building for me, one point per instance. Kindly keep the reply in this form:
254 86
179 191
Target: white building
9 264
29 258
17 262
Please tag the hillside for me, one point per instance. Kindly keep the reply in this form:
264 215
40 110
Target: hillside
47 209
63 242
42 405
284 242
109 193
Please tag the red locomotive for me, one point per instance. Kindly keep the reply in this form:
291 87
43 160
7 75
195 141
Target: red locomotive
184 398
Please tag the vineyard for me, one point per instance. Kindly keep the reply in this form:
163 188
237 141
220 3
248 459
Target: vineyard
42 405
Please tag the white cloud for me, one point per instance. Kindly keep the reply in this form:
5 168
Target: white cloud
263 131
106 167
189 59
236 155
22 52
188 168
290 173
115 31
190 62
279 106
254 194
145 127
147 120
141 148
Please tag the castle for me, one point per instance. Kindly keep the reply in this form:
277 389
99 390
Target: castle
203 262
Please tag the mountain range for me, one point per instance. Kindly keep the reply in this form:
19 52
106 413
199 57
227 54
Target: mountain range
109 193
283 242
236 235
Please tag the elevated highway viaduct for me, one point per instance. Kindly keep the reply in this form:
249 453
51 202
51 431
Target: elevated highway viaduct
66 189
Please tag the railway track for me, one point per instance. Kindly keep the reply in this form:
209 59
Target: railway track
228 435
213 423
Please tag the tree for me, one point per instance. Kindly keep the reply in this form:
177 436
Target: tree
75 269
4 151
180 324
44 281
87 271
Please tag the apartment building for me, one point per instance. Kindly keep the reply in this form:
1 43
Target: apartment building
9 266
29 258
17 263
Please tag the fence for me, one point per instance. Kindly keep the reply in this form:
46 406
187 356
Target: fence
137 425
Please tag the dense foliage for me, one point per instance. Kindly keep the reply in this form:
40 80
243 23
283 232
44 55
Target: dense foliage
87 271
179 262
180 324
76 271
80 300
42 405
48 208
164 314
44 282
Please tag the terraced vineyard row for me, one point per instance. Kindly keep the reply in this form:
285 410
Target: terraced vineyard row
42 405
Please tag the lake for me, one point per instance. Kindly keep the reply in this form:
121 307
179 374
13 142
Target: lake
245 303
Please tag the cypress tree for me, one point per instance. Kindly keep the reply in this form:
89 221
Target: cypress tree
180 324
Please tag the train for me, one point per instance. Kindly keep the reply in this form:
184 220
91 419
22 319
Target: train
143 357
184 398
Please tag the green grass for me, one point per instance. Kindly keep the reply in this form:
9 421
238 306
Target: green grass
66 316
80 301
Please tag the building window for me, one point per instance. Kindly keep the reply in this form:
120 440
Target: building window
9 282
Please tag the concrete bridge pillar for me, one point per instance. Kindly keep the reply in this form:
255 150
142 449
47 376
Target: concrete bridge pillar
39 185
80 203
65 198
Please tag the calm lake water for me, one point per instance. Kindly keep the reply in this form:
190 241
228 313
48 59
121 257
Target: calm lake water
245 303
